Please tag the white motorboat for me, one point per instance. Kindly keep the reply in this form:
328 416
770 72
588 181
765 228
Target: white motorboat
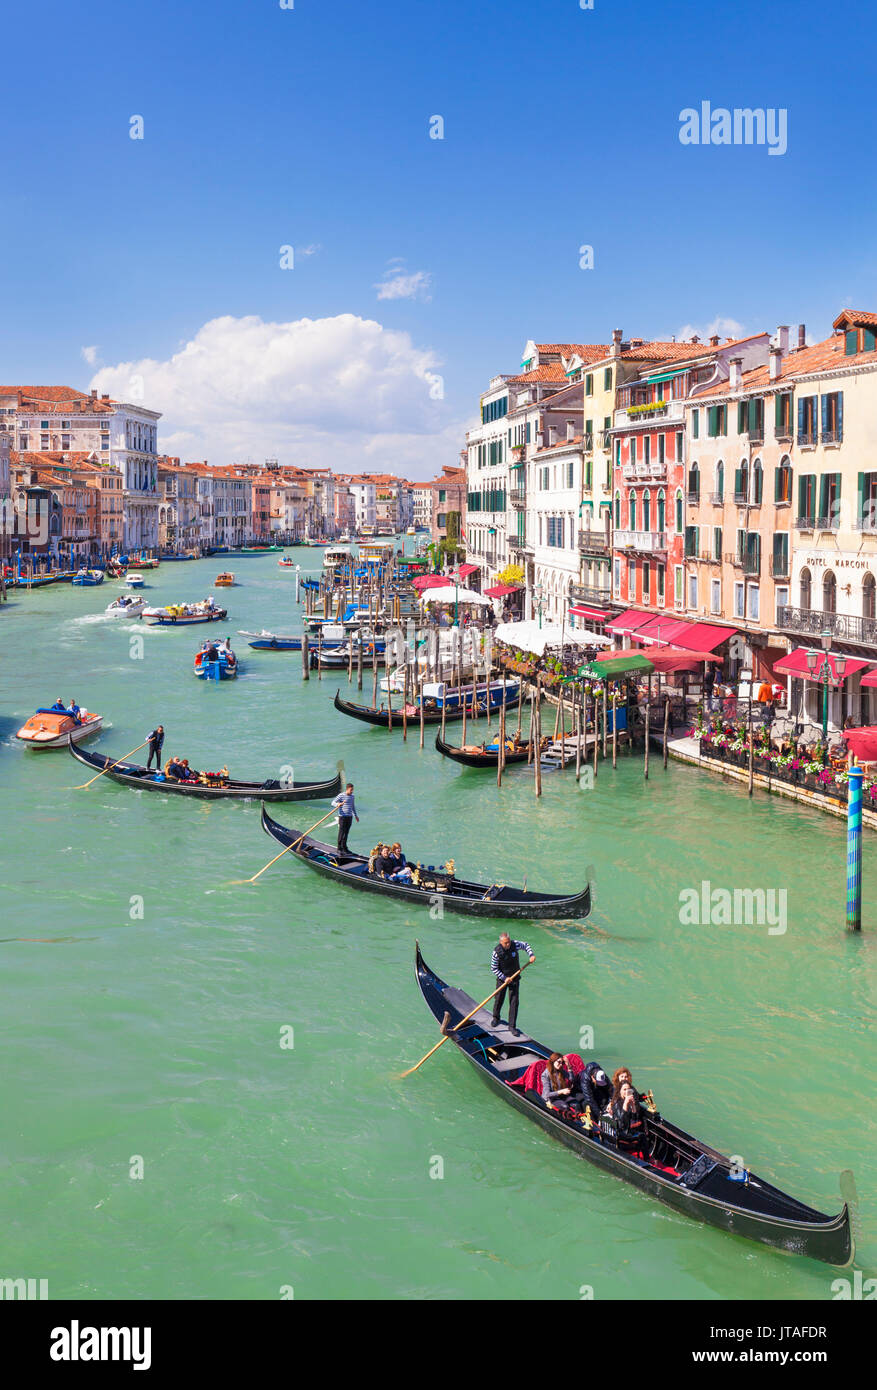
134 580
126 606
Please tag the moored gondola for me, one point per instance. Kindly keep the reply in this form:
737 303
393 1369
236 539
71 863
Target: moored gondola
217 788
456 894
382 717
678 1169
487 755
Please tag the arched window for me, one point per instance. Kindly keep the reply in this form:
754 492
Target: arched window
633 511
647 510
680 514
694 483
618 511
661 510
757 482
869 608
806 588
720 481
741 482
782 487
829 592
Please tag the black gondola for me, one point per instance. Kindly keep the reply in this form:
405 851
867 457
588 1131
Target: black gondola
681 1171
381 717
134 775
481 757
458 895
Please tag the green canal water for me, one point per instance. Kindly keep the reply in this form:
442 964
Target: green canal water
151 1039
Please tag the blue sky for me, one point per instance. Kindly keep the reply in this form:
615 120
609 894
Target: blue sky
309 127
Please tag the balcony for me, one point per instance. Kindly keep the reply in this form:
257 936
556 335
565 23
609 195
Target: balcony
756 437
594 542
643 469
588 443
811 622
666 413
517 496
709 557
717 499
644 542
779 566
591 593
807 439
520 547
827 523
832 436
741 499
867 524
692 498
629 472
805 523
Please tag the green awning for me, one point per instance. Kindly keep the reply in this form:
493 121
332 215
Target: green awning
616 666
664 376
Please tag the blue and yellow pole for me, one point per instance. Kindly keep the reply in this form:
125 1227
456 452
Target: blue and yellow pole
854 850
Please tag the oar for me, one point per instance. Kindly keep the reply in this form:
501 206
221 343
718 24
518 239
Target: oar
83 785
237 881
465 1020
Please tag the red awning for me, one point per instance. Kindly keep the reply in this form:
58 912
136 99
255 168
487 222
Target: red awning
870 679
430 581
863 743
664 659
596 615
465 570
500 590
629 621
662 629
705 637
795 664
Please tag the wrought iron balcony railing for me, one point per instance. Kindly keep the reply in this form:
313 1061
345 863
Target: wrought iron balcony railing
813 622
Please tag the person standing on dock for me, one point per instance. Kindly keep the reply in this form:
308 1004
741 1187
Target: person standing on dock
504 964
346 807
155 740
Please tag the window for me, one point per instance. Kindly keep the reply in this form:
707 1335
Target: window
829 593
633 451
632 511
661 508
678 575
783 415
805 583
679 446
695 424
715 596
660 448
752 596
694 483
680 522
807 419
851 342
44 424
440 519
807 500
780 562
647 511
616 577
717 421
720 482
589 385
781 594
607 379
739 601
717 542
782 482
647 581
829 501
692 591
617 510
660 586
869 608
833 417
757 483
691 542
441 494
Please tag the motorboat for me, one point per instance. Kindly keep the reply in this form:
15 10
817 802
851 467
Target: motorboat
56 728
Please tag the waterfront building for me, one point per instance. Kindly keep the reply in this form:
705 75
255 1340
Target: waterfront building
179 527
421 505
232 505
364 492
448 505
73 533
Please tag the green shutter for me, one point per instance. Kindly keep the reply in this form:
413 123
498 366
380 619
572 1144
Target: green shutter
778 412
695 424
860 497
711 428
738 481
741 417
823 495
851 341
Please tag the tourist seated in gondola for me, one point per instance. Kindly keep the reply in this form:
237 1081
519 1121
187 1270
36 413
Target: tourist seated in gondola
385 864
594 1090
630 1123
402 872
173 769
377 854
189 774
558 1085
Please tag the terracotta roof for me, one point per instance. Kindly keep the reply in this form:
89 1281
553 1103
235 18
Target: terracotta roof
661 351
551 371
55 400
855 318
818 357
561 444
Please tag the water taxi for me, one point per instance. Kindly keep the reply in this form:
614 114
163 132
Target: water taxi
126 606
225 580
57 727
134 580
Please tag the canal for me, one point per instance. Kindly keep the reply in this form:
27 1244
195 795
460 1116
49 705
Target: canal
199 1081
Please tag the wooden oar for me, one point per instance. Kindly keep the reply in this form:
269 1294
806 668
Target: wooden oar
83 785
238 881
465 1020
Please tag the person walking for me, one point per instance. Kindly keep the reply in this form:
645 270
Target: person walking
155 741
505 963
346 807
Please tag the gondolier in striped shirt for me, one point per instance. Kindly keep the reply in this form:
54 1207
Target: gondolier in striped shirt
346 808
504 964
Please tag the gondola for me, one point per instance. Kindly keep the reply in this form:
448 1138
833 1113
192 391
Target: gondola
381 717
681 1171
481 757
457 895
134 775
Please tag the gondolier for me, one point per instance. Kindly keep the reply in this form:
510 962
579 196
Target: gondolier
346 807
504 964
154 742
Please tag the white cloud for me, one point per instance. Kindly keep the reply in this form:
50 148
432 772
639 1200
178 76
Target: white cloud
341 392
89 354
726 328
397 284
308 250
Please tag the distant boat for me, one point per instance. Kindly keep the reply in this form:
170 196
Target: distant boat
134 580
88 578
225 580
127 606
51 728
172 555
184 614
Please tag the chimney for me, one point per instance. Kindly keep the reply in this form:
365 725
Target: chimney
802 335
782 336
776 363
695 338
94 395
616 342
735 371
552 435
714 340
105 398
570 429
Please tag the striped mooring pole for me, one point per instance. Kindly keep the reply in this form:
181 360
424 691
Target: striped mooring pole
854 850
